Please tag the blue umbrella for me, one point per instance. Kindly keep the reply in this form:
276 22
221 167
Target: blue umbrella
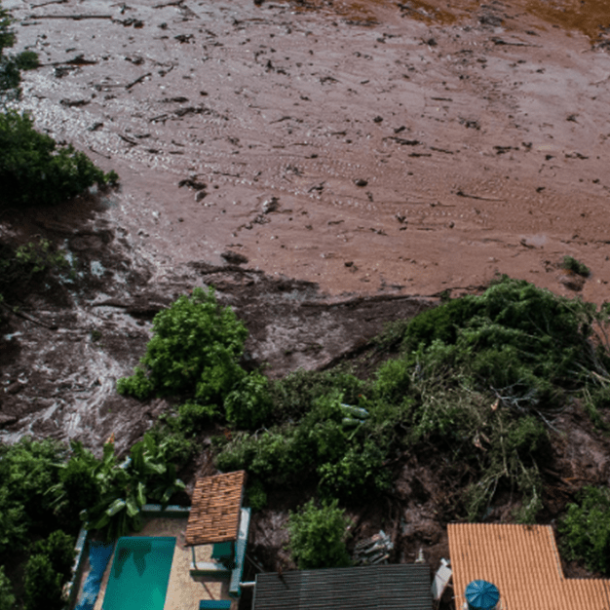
482 595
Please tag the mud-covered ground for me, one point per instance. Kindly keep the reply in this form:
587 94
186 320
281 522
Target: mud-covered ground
328 166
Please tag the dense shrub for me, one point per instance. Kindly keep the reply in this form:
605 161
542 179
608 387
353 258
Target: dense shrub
248 404
7 599
585 529
575 266
42 584
194 351
59 548
34 170
27 470
317 536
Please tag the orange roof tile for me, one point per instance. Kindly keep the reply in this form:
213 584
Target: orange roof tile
523 562
215 509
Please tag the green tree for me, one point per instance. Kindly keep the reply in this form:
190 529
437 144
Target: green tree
317 536
194 351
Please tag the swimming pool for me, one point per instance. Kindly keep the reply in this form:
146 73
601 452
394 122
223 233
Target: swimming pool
139 573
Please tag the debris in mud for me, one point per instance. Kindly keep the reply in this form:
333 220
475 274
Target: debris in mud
271 205
193 183
74 103
470 123
79 60
131 21
572 281
184 38
234 258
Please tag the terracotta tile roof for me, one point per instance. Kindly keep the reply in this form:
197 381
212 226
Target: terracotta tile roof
215 509
523 562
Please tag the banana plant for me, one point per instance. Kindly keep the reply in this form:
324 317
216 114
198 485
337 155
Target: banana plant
125 488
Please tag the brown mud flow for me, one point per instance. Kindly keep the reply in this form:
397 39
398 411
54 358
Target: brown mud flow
370 147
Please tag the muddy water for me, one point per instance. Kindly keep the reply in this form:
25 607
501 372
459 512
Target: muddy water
360 149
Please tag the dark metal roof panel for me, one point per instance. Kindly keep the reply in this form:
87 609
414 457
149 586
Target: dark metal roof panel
386 587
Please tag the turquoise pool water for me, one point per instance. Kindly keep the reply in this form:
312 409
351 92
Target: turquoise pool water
139 574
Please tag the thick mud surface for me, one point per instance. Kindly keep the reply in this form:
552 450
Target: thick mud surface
328 166
368 147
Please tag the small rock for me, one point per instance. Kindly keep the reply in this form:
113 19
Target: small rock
200 195
349 263
361 182
378 119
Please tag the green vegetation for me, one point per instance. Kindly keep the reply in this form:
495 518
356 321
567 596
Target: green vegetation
569 263
123 489
317 536
7 599
585 529
474 384
12 65
44 486
481 376
33 169
194 352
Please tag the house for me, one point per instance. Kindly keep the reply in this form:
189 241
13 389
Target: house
523 562
382 587
217 519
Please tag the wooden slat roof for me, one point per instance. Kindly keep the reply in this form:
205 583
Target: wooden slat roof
215 509
523 562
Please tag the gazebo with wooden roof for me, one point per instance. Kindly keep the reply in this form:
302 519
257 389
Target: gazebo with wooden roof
217 518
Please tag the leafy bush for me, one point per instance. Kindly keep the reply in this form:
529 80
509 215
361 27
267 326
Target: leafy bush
317 536
193 417
59 548
194 351
358 473
248 404
7 599
27 470
34 170
42 584
575 266
585 529
13 523
256 497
